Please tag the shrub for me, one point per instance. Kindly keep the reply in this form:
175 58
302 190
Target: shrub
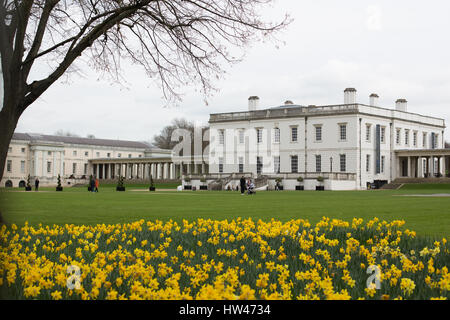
320 179
300 179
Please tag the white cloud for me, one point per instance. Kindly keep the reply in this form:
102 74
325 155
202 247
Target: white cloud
330 46
374 20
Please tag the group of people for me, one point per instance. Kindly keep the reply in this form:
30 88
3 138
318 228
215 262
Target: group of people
93 184
247 185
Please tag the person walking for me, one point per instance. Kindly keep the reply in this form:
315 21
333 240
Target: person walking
36 184
242 182
96 185
92 184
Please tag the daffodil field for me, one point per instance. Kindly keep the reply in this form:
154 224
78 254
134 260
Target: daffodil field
239 259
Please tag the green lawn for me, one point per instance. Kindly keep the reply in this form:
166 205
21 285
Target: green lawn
426 215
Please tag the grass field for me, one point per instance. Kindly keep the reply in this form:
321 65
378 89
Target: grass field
428 216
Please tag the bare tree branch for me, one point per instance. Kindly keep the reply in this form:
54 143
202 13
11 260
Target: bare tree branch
177 43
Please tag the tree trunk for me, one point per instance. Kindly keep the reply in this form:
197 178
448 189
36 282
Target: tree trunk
8 123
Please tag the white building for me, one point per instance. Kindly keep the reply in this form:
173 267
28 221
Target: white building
349 145
75 159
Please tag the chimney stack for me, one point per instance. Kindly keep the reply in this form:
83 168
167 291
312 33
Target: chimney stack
253 103
401 105
374 100
350 96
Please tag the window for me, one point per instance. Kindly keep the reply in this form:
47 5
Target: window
241 136
49 167
86 153
368 163
318 163
119 155
318 133
259 165
221 165
383 134
129 155
23 150
276 164
222 137
407 137
424 141
140 156
85 168
74 168
259 135
343 162
9 165
294 164
49 153
74 152
108 155
368 132
383 160
294 134
22 166
9 149
415 138
241 164
277 135
343 132
97 154
397 136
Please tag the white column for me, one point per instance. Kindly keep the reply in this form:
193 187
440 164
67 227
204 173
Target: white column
397 167
164 167
419 167
171 171
195 168
36 163
61 163
54 164
43 164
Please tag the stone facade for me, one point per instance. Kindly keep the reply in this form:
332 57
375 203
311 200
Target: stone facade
350 145
45 157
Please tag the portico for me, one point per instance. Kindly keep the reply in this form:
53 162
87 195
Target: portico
135 168
433 163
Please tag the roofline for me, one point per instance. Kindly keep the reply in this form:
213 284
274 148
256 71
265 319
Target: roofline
329 105
337 113
40 141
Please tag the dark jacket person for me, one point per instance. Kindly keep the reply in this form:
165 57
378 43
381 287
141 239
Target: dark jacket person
242 181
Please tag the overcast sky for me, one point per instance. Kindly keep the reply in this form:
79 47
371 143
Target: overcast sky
397 49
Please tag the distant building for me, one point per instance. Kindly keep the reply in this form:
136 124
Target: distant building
75 159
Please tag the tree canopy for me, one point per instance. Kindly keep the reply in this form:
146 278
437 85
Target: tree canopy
177 42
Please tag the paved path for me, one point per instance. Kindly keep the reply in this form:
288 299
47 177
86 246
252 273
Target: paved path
435 195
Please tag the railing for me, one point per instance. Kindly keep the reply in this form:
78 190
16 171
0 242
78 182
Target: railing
283 112
342 176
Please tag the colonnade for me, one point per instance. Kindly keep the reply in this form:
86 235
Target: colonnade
142 170
423 166
158 170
